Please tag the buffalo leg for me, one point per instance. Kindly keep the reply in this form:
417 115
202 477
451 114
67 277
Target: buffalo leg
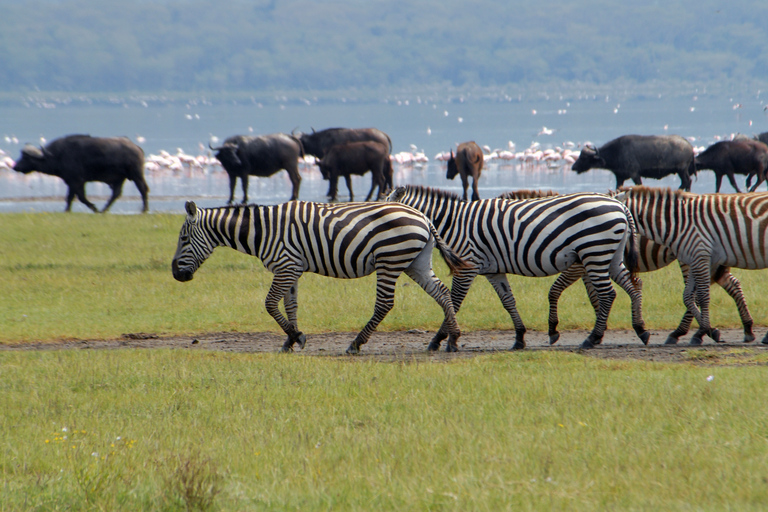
244 183
232 183
79 191
718 182
144 191
465 184
348 179
293 174
117 190
475 193
732 179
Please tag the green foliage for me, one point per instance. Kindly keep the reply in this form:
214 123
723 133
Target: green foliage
196 430
191 45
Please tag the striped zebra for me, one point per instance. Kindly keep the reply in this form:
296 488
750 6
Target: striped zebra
538 237
652 256
705 231
343 241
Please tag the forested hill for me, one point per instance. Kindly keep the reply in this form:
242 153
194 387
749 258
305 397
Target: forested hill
195 45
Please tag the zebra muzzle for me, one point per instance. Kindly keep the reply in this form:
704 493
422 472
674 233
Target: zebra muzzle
181 275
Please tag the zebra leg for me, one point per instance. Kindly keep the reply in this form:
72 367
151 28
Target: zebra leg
607 295
697 291
594 299
281 284
732 286
290 301
459 288
385 300
685 323
421 272
563 281
633 286
501 285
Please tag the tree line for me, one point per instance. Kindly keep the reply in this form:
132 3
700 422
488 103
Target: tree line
193 45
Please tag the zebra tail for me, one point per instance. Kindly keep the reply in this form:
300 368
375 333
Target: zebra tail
455 262
631 250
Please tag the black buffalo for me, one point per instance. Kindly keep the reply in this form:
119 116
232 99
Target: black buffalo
318 143
763 137
729 157
243 156
357 158
78 159
641 156
467 162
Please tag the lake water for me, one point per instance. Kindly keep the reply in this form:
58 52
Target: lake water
432 127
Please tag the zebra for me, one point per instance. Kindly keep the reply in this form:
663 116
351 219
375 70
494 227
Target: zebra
342 241
652 256
705 231
538 237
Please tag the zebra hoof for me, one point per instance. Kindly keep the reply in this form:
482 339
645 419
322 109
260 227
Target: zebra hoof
695 341
716 336
749 338
519 345
352 350
553 338
671 340
587 344
434 346
301 340
765 340
286 349
451 347
644 337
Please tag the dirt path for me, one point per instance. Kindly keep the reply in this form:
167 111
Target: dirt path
617 344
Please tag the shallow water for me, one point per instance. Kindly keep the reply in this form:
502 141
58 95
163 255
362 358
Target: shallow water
428 126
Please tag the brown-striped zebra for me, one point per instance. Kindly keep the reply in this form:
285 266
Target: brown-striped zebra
343 241
537 237
652 256
706 232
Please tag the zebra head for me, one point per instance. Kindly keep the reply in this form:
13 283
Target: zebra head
193 247
396 195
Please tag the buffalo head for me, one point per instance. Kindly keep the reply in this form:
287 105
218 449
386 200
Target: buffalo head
588 159
227 155
453 169
31 159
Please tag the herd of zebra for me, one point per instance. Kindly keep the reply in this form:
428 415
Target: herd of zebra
596 237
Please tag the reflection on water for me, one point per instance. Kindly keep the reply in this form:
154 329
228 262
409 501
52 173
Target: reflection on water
209 188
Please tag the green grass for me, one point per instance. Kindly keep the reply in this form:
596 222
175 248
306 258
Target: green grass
82 276
181 430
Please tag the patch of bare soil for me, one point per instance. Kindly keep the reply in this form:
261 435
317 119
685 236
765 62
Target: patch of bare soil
410 345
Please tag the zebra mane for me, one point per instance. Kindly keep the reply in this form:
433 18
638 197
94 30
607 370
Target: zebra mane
643 191
527 194
432 192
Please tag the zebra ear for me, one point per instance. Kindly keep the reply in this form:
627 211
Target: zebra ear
191 208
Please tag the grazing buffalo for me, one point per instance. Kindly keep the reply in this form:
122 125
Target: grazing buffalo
357 158
78 159
467 162
243 156
729 157
641 156
318 143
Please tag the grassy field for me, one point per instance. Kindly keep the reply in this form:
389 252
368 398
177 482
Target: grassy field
83 276
179 430
197 430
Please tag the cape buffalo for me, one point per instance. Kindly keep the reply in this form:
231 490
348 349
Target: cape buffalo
467 162
262 156
729 157
763 137
357 158
78 159
318 143
641 156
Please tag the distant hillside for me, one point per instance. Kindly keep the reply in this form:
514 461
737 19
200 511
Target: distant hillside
194 45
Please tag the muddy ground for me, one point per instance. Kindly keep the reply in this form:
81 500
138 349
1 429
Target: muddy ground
389 346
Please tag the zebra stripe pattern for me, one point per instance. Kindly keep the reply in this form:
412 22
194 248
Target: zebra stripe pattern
538 237
342 241
705 231
652 256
